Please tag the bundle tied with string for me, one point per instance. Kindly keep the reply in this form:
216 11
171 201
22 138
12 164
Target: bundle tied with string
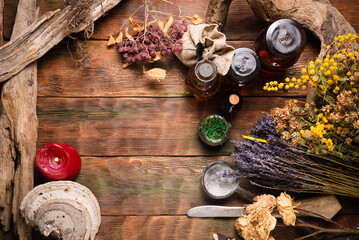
214 43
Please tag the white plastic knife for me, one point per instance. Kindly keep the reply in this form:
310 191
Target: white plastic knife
215 211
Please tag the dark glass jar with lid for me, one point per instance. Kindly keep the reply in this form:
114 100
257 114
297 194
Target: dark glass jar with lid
244 69
203 80
280 45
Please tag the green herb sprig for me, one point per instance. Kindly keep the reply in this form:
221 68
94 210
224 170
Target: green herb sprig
215 128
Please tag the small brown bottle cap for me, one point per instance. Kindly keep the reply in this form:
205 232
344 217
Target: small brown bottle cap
234 99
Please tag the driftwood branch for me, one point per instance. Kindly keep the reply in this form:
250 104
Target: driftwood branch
1 22
319 16
45 33
18 121
18 132
217 12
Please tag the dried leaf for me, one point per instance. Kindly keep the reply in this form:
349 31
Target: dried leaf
119 38
134 25
150 23
168 25
160 25
195 19
111 41
156 73
126 64
156 58
128 35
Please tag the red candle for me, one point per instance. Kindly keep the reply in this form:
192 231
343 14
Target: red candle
58 161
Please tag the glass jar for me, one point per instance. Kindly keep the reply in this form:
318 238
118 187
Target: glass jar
244 69
203 80
229 103
280 45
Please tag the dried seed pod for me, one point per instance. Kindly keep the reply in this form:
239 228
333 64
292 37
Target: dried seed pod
62 210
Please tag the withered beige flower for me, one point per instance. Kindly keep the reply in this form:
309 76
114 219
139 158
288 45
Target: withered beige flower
286 207
258 221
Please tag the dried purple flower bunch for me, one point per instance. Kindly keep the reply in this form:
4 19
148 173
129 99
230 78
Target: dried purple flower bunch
276 164
147 44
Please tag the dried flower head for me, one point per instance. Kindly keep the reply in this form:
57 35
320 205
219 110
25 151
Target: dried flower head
259 222
286 207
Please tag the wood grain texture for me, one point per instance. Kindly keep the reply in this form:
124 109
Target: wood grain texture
320 17
18 127
138 126
169 185
58 76
181 227
1 22
241 24
215 11
46 32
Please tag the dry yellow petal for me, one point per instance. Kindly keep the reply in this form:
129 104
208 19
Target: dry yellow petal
160 25
271 238
195 19
125 65
128 35
156 74
286 209
168 24
119 37
111 41
134 25
156 58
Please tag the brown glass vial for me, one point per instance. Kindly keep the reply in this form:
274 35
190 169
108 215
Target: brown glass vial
229 103
244 69
203 80
280 45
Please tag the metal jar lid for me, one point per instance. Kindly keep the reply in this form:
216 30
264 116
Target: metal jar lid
205 70
285 37
245 65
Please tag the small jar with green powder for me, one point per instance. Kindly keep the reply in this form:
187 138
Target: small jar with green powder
214 130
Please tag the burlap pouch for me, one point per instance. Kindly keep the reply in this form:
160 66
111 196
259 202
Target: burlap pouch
214 43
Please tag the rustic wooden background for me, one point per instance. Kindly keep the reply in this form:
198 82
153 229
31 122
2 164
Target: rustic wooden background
141 154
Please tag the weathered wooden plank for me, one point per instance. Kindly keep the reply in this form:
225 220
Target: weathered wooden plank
148 185
180 227
167 185
241 24
138 126
58 75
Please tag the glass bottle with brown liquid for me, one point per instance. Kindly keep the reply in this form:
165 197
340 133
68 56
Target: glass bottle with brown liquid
243 71
280 45
230 102
203 80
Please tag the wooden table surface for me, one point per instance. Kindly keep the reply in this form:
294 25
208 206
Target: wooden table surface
141 155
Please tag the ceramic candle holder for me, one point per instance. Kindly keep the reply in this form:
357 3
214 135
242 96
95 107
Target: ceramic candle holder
58 161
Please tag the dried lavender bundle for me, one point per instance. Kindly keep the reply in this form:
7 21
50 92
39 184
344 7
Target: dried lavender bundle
277 165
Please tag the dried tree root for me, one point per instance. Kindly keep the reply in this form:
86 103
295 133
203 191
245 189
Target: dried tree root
46 32
319 16
18 132
1 21
217 12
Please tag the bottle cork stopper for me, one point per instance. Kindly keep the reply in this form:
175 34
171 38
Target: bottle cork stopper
234 99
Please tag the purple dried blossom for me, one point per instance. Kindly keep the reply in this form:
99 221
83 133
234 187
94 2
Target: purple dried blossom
277 165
